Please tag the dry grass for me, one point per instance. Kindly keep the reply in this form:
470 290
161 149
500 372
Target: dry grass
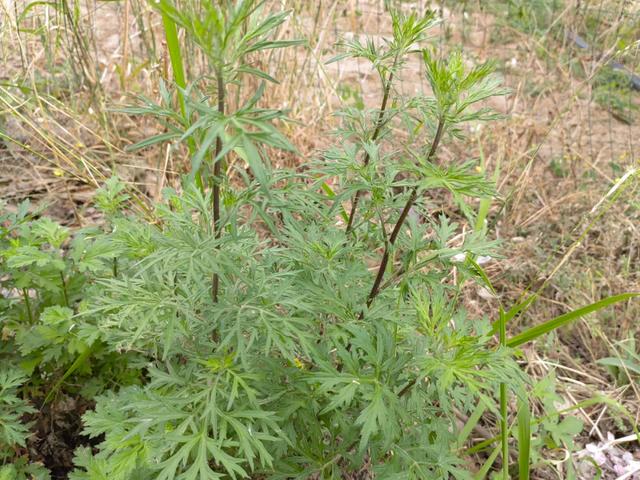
557 153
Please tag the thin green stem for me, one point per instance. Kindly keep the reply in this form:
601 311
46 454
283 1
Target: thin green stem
27 303
115 267
63 284
504 427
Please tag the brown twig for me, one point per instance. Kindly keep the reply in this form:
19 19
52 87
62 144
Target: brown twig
217 228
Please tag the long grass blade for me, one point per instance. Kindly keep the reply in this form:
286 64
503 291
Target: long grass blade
566 318
524 438
485 203
471 422
78 362
177 65
175 56
482 473
515 310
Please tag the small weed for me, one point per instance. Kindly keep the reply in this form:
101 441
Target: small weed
559 167
351 96
612 90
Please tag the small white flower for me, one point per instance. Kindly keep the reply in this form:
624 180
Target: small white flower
482 259
459 258
485 294
514 62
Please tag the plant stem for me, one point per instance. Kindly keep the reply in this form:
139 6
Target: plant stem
217 228
408 387
403 216
64 290
374 137
27 303
504 427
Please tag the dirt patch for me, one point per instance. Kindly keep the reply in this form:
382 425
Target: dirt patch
58 433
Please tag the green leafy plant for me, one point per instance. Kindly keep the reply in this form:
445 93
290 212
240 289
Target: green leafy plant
305 364
14 431
48 275
612 90
12 408
227 34
291 369
626 364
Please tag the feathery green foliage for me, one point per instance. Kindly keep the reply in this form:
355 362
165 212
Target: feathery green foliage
284 373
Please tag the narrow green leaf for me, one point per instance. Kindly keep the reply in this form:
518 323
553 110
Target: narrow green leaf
471 422
272 44
257 73
481 273
520 308
175 55
524 439
482 473
620 363
566 318
147 142
205 147
331 194
74 366
338 57
515 310
252 156
255 97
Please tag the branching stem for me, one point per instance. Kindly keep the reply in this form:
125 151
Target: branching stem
374 137
403 216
